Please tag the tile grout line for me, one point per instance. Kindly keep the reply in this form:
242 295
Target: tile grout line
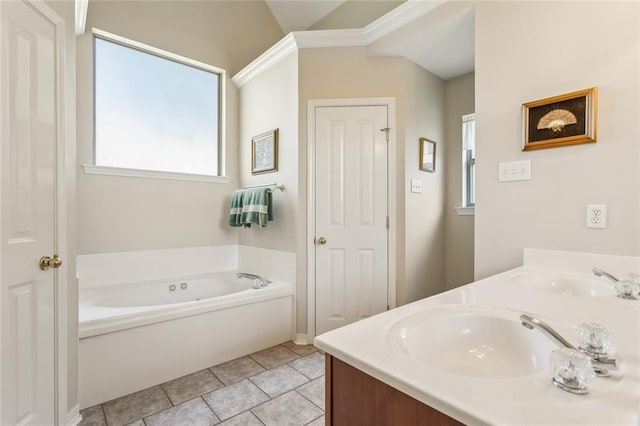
256 416
210 407
298 392
214 375
104 414
167 395
159 411
306 424
301 372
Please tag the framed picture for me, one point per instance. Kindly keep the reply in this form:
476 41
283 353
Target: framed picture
562 120
427 155
264 153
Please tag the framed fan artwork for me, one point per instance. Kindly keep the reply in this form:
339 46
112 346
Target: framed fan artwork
562 120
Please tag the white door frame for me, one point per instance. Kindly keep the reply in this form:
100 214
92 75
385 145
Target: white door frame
312 104
64 184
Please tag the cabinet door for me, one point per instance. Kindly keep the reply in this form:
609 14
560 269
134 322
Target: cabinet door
354 398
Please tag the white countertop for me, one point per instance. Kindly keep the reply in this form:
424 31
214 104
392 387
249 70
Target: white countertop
531 400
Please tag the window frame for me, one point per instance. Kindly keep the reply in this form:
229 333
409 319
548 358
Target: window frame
468 171
158 174
469 178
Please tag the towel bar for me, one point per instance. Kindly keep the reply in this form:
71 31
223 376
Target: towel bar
274 184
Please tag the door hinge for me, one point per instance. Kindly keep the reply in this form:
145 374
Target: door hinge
387 222
386 132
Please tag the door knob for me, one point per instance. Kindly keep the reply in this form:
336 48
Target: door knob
47 262
321 241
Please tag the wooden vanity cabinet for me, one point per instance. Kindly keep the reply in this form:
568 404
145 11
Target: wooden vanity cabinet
354 398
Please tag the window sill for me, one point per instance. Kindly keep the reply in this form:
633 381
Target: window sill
465 211
91 169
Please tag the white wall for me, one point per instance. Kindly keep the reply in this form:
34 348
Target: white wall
121 213
530 50
424 214
268 102
419 104
459 100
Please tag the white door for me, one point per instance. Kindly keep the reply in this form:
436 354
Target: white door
350 214
29 129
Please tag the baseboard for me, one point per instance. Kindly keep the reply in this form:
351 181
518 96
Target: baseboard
302 339
73 416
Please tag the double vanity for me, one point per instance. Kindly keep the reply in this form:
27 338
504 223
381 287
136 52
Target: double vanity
464 356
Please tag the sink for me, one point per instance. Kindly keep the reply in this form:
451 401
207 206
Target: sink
563 283
473 342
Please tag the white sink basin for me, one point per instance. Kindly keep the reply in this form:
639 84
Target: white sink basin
472 341
563 283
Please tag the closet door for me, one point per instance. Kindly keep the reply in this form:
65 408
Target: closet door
351 214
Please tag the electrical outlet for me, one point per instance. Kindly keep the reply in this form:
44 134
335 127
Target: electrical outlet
596 216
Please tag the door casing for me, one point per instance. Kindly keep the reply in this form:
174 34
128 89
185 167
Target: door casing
312 104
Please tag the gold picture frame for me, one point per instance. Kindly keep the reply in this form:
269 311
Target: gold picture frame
562 120
427 155
264 153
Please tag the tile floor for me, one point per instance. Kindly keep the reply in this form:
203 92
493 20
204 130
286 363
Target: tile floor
282 385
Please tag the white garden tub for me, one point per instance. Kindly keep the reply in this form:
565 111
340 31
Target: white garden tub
140 334
108 309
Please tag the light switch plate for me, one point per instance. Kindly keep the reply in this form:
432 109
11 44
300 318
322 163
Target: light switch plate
416 185
514 171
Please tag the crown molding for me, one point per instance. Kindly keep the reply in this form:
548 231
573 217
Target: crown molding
269 58
298 40
396 18
81 7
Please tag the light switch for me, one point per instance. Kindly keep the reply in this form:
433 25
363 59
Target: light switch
514 170
416 185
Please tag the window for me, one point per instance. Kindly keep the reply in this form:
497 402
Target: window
155 111
469 160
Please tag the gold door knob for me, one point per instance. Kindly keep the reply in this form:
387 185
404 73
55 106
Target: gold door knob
47 262
321 241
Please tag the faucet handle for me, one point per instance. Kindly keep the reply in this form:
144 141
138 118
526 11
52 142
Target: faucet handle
629 288
594 339
571 369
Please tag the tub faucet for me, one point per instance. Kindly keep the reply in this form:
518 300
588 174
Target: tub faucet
259 282
601 273
531 322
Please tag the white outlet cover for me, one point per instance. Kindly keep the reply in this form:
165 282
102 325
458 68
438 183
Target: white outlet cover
597 216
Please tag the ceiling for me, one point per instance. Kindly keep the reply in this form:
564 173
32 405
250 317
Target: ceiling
299 15
441 40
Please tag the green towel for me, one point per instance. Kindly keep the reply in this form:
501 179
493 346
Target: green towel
249 206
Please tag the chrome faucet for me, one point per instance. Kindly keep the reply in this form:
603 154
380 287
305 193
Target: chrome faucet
531 322
258 281
601 273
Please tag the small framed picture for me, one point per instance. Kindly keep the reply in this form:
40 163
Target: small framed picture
562 120
264 153
427 155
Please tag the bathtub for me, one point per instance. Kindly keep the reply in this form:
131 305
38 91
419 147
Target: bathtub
134 335
114 308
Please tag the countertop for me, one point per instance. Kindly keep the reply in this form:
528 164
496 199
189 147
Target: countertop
533 400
